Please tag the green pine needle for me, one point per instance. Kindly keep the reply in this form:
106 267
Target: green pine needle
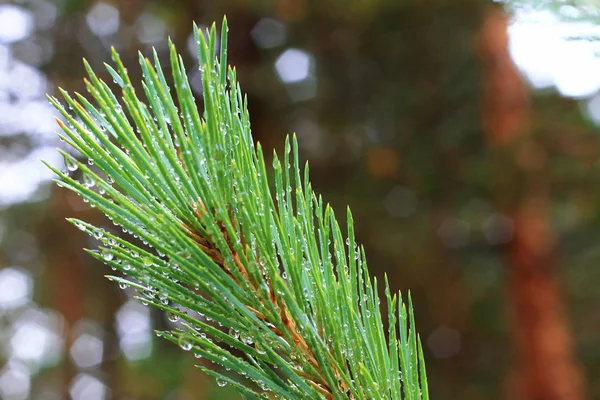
251 262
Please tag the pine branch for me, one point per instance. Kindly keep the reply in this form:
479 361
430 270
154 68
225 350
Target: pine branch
256 269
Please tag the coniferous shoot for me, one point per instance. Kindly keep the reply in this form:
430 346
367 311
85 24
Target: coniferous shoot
251 262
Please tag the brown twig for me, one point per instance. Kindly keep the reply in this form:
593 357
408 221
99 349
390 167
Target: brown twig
206 245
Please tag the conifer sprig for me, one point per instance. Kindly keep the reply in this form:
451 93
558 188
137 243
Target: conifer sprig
253 265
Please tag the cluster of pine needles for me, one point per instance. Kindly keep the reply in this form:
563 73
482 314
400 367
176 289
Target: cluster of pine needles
249 261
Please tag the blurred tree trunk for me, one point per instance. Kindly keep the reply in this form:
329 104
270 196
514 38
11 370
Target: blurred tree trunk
545 364
70 280
66 280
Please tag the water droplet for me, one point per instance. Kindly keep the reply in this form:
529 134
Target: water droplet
173 317
70 163
259 349
246 338
148 291
234 333
88 180
107 255
221 382
185 343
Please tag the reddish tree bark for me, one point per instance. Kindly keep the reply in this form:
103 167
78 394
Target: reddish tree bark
545 366
65 281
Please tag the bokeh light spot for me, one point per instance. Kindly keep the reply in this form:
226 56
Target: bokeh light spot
383 161
400 202
544 49
134 325
150 29
268 33
87 351
103 19
498 229
15 381
15 288
16 23
36 339
444 342
454 233
293 65
87 387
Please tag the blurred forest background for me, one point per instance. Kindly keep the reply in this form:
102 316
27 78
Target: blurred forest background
464 137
